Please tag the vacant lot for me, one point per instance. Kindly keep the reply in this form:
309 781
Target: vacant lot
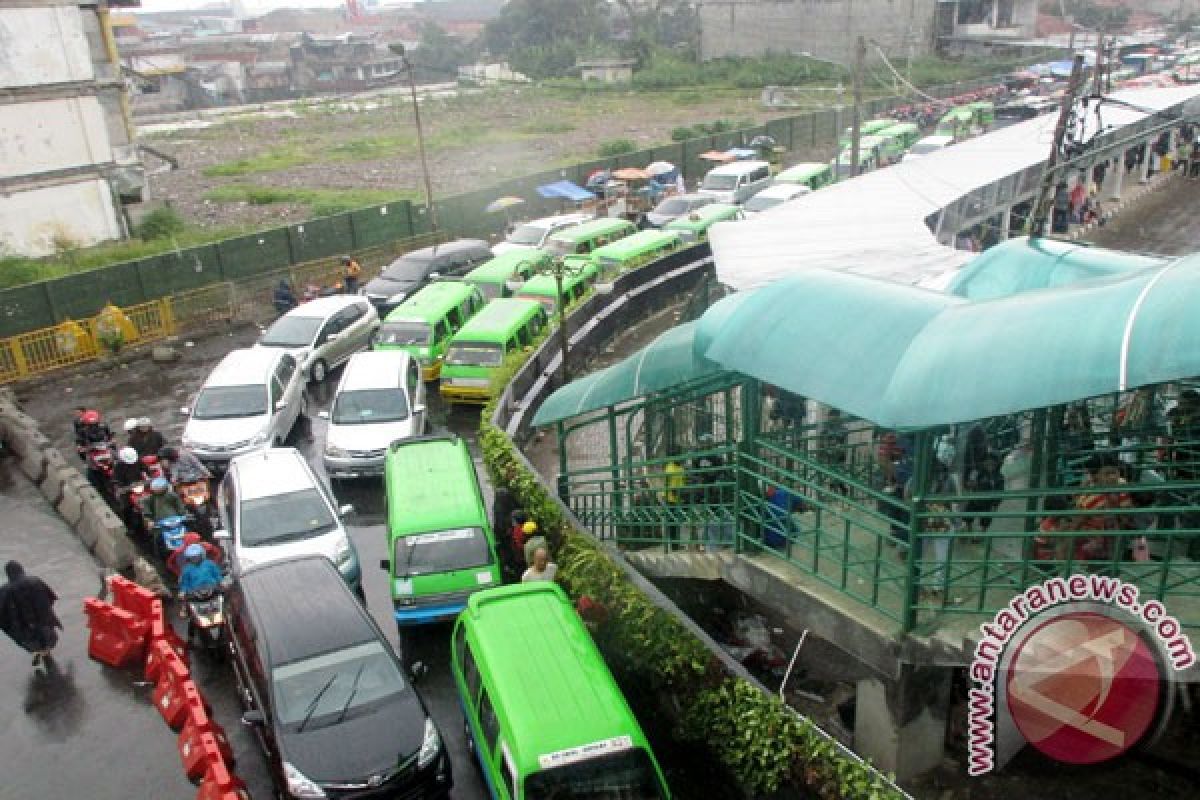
314 158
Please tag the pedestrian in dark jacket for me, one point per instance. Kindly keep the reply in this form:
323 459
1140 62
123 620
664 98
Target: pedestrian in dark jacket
27 612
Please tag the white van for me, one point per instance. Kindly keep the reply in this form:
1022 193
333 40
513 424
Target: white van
532 234
736 182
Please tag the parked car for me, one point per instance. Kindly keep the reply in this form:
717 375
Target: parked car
736 182
323 333
774 195
380 400
324 692
672 208
532 234
930 144
413 270
271 506
250 400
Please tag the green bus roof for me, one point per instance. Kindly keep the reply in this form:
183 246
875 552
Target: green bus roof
872 125
958 113
900 127
497 319
504 265
551 689
595 227
426 480
432 302
799 173
543 285
636 244
704 216
985 104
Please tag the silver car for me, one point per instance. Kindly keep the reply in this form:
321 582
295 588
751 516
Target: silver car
250 401
381 398
324 332
272 506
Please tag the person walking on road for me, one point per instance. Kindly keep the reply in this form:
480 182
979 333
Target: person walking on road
350 274
27 613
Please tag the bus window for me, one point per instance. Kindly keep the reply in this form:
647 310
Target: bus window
488 722
440 332
454 316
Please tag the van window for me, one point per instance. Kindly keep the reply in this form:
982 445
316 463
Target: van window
510 345
455 318
414 376
470 671
276 393
523 337
760 174
440 331
488 722
285 370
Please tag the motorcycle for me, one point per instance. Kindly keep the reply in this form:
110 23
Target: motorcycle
206 618
167 535
197 498
100 462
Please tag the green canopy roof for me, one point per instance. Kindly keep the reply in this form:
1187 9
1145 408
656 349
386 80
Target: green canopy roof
1023 264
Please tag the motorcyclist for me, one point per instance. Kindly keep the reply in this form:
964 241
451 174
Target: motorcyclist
176 559
198 574
145 439
90 430
283 298
127 472
182 466
161 503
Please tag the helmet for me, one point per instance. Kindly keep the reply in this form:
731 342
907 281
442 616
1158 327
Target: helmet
158 485
90 417
128 455
131 424
529 527
194 552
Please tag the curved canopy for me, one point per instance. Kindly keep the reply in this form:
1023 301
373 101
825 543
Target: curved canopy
908 358
1021 265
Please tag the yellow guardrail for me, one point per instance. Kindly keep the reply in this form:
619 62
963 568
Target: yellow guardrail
74 342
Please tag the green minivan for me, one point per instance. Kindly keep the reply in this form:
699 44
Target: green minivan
542 712
544 288
492 277
423 324
586 237
867 128
440 543
478 350
693 226
958 122
985 113
903 134
812 174
635 250
868 158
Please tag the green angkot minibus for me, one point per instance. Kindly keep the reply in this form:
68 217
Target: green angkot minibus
636 250
542 712
423 324
693 226
586 237
478 350
492 277
814 175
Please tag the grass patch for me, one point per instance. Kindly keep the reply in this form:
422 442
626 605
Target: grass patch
269 161
541 126
321 202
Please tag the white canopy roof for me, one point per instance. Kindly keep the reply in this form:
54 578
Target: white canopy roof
875 224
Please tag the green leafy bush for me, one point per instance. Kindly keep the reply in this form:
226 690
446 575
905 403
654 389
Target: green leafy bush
615 147
160 223
682 133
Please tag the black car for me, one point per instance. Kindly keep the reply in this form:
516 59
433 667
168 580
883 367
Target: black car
412 270
324 691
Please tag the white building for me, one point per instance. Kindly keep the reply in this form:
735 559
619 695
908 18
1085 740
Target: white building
68 158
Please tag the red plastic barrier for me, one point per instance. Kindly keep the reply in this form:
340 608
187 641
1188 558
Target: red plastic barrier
198 755
158 653
117 637
135 599
199 721
220 784
161 630
171 694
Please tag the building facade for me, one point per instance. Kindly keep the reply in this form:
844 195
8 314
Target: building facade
68 156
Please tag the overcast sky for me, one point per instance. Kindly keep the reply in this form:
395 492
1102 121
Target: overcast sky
250 5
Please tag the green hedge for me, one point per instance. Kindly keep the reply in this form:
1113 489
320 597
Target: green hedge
759 742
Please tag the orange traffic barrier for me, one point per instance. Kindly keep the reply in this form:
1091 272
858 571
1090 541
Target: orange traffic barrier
172 692
161 630
158 653
197 721
198 755
135 599
220 784
117 637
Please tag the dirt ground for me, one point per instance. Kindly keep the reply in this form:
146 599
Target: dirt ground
473 139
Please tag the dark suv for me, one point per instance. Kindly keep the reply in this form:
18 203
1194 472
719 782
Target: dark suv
326 695
411 271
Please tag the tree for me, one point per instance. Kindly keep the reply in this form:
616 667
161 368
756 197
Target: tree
438 53
541 38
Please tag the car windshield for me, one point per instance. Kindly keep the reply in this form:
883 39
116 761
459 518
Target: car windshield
621 776
284 517
404 333
442 551
672 205
527 234
409 268
720 183
292 331
368 406
476 354
760 203
231 402
326 689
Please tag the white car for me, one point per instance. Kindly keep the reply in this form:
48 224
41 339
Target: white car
774 195
534 233
930 144
380 399
271 507
250 401
324 332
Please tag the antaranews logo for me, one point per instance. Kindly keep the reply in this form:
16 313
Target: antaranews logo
1079 666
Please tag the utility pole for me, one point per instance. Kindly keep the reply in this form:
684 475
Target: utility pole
398 49
860 53
1099 76
1036 223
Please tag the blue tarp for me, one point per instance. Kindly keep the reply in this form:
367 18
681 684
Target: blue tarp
566 190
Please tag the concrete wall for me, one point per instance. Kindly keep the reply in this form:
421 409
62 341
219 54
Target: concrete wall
43 46
52 135
824 28
81 213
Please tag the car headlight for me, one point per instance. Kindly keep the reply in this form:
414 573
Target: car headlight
430 747
300 786
333 451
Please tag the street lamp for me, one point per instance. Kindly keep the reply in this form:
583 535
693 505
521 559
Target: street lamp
398 49
559 269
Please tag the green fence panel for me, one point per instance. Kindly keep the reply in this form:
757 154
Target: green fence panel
380 224
320 238
694 167
177 272
246 256
781 131
802 131
419 219
85 293
825 127
25 308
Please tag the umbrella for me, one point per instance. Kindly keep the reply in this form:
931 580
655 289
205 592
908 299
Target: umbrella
502 204
660 168
631 174
717 155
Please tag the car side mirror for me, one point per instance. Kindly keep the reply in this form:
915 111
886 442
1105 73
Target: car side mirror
418 670
433 276
253 717
323 414
345 510
385 564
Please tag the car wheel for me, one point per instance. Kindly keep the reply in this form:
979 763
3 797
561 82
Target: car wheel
319 371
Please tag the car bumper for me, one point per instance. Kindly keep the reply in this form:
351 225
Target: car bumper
432 783
354 467
428 615
218 460
464 394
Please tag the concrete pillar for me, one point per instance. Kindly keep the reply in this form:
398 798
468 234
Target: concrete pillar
1115 178
1147 155
901 724
1006 223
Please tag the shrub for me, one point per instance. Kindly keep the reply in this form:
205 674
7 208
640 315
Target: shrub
161 223
615 147
682 133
